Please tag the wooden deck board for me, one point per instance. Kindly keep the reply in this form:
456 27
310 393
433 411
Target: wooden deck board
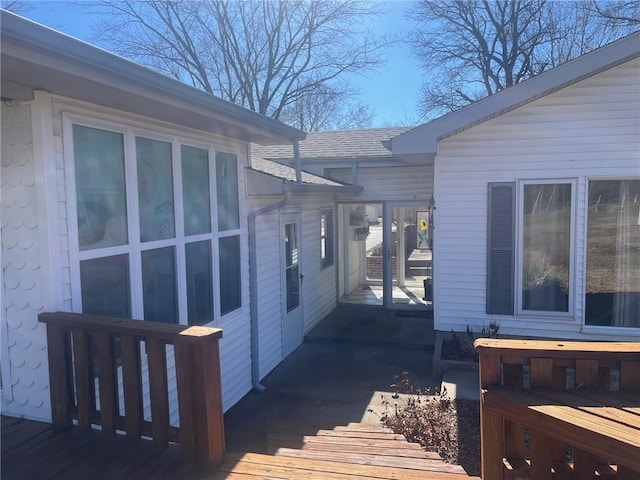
32 450
236 461
422 464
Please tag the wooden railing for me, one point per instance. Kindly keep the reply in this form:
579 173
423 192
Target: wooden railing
559 409
98 360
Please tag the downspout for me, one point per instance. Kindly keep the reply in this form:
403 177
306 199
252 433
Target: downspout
253 288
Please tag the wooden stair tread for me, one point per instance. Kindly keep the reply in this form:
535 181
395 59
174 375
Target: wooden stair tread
428 464
266 466
366 441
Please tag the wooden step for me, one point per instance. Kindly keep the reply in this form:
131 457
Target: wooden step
255 465
311 449
391 461
352 445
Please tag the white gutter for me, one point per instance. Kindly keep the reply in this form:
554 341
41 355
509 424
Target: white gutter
253 288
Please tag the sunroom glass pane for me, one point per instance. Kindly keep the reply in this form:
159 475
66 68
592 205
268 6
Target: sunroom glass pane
230 285
227 192
100 188
546 245
159 285
104 286
613 261
155 189
199 282
195 188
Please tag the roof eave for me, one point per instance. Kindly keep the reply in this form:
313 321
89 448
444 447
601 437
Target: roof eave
42 49
305 189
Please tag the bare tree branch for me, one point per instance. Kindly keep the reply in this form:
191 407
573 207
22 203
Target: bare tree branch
471 49
265 55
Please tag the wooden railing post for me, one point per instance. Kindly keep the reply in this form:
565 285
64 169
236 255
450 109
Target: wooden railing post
58 381
202 421
491 425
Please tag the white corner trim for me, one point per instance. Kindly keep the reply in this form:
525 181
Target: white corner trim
44 164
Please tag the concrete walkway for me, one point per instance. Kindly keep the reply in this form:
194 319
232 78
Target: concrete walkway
365 325
332 383
343 373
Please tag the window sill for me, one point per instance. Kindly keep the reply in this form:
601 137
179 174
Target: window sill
547 317
625 333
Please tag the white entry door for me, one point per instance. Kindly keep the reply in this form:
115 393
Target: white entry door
292 319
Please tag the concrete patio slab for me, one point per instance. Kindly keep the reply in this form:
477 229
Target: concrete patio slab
327 383
376 326
461 384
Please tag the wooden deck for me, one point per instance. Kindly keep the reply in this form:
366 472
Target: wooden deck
33 450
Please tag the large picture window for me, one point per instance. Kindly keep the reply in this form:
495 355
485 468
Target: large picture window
613 254
161 263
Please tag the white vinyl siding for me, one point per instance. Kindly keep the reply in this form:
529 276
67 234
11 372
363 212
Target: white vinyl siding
587 130
318 287
400 183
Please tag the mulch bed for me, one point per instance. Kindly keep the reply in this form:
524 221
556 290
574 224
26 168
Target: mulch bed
468 426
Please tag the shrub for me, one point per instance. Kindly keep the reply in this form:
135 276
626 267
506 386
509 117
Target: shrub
434 421
462 342
429 420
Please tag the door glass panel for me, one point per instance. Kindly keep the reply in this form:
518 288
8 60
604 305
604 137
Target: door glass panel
155 189
159 285
227 191
104 284
411 256
199 282
100 187
362 253
195 188
292 268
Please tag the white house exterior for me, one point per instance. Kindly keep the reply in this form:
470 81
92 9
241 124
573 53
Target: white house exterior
295 256
394 191
116 183
544 166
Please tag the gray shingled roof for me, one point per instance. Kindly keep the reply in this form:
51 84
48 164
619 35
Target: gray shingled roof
337 145
288 173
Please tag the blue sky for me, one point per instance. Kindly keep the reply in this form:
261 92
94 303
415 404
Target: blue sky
392 92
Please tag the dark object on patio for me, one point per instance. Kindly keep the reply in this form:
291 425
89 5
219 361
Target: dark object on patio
428 289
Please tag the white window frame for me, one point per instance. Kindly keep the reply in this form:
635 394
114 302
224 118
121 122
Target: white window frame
134 246
519 254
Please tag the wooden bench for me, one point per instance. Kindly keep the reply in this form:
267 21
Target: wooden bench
559 409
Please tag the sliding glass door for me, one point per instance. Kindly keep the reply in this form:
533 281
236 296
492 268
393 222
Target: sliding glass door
385 255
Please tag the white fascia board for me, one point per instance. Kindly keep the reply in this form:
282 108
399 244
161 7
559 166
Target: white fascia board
424 138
